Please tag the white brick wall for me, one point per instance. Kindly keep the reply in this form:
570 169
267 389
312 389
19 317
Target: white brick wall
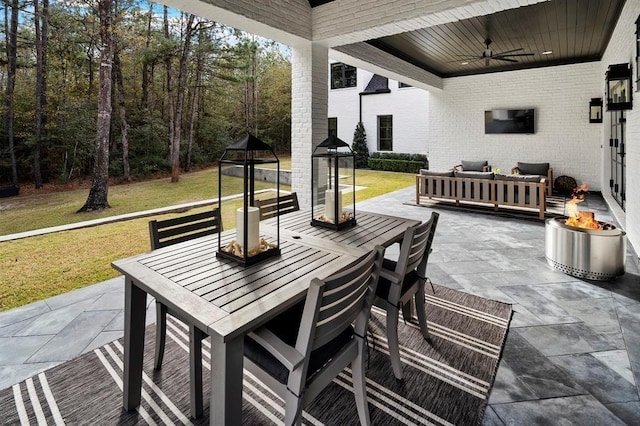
309 76
408 106
621 49
563 135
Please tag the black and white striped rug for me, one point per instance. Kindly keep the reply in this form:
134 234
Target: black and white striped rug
446 382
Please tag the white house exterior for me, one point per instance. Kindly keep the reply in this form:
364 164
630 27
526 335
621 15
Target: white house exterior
405 108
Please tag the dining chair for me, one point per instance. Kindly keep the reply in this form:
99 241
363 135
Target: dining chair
404 279
164 233
269 206
297 362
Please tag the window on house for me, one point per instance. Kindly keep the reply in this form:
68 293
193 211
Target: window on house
333 126
343 75
385 133
401 84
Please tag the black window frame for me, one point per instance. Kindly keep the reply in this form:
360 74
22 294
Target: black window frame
332 129
387 139
343 76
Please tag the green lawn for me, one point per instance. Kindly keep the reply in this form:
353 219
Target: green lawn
39 267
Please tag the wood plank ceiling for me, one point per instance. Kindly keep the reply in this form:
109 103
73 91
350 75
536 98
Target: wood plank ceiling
572 30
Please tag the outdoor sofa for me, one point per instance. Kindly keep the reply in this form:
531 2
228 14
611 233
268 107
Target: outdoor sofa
517 190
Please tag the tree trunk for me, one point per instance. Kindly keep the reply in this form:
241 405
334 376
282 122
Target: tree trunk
182 84
170 110
196 95
42 30
124 125
144 102
97 199
11 32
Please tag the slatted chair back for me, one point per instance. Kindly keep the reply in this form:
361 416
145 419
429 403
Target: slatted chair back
269 206
422 266
176 230
414 245
337 302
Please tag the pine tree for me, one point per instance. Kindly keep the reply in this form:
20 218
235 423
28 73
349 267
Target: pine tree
359 147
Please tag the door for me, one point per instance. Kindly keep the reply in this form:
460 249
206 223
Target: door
617 147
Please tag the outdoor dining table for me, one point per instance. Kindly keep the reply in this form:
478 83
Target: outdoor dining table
226 300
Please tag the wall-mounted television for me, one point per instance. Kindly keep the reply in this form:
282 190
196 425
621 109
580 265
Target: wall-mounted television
509 121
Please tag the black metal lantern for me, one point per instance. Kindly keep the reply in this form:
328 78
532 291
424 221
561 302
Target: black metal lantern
239 160
333 176
595 110
619 87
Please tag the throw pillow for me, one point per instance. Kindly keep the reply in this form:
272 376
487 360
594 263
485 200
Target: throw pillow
533 168
473 166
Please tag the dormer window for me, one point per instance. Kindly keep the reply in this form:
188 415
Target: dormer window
343 75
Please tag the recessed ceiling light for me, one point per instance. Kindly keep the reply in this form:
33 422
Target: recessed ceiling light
547 52
464 63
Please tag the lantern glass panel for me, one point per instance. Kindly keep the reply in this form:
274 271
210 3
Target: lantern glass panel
333 187
240 172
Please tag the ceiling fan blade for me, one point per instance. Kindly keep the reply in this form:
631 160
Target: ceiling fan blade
503 59
509 51
515 54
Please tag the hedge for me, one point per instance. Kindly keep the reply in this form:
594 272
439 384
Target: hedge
404 166
400 156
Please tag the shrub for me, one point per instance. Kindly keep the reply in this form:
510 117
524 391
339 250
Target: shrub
359 147
404 166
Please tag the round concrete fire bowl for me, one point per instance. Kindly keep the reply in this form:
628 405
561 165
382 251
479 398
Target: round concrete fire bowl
594 254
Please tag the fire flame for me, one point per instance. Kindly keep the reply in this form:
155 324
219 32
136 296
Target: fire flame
580 219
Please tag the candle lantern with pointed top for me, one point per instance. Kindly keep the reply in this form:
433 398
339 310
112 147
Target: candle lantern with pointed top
240 160
333 176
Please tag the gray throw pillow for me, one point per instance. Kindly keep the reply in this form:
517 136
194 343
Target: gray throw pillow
473 166
474 175
533 168
447 173
519 178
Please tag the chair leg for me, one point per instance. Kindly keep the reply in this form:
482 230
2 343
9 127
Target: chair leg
392 338
422 317
161 333
195 370
360 385
292 409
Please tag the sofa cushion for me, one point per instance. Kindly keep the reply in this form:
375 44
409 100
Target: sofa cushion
474 175
533 168
473 166
519 178
447 173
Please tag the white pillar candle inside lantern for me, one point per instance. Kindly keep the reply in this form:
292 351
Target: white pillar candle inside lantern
253 227
330 205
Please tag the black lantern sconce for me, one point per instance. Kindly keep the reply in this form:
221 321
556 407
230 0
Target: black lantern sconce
595 110
239 160
618 84
333 175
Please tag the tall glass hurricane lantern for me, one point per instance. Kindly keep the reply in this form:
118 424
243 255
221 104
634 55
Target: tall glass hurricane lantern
240 160
333 177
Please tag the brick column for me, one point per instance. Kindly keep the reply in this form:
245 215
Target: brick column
309 97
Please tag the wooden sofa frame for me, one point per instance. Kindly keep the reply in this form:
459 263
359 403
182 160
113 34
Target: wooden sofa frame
528 195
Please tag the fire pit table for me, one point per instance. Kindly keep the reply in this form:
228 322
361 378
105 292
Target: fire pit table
594 254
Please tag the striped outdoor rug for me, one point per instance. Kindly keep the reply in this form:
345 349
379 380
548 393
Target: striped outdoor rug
446 382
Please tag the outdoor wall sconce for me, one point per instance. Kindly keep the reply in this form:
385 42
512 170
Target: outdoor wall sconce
595 110
332 177
618 82
239 160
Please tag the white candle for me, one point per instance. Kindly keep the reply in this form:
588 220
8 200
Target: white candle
253 227
330 204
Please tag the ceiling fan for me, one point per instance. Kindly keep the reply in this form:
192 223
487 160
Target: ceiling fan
489 55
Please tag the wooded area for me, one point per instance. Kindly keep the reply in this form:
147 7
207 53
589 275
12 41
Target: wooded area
123 89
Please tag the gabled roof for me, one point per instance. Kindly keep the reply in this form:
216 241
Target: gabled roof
377 84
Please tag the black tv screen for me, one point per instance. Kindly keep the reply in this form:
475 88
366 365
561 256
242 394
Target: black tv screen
509 121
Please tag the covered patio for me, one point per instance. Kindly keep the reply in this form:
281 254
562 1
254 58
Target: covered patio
571 352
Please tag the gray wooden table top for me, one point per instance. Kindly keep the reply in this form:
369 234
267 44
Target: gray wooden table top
224 298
